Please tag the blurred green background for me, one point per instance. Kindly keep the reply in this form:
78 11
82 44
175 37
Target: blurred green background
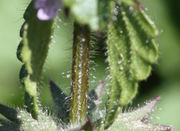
164 80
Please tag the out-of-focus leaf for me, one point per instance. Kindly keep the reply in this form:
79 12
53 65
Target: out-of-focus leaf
9 113
8 126
95 13
95 99
84 11
87 126
61 102
104 13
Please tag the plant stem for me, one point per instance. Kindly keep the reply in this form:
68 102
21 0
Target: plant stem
80 72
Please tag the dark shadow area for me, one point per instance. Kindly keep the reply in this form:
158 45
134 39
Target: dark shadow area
150 84
147 86
174 9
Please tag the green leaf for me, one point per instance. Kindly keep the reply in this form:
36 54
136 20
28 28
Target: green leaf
44 122
8 126
84 11
129 2
94 101
95 13
131 50
61 102
104 13
9 113
32 51
139 119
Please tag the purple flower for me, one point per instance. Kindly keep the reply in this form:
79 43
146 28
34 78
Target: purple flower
47 9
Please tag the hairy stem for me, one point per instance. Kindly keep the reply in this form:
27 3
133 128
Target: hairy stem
80 71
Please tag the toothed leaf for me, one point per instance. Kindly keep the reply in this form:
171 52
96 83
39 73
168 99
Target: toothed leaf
37 36
131 51
32 51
